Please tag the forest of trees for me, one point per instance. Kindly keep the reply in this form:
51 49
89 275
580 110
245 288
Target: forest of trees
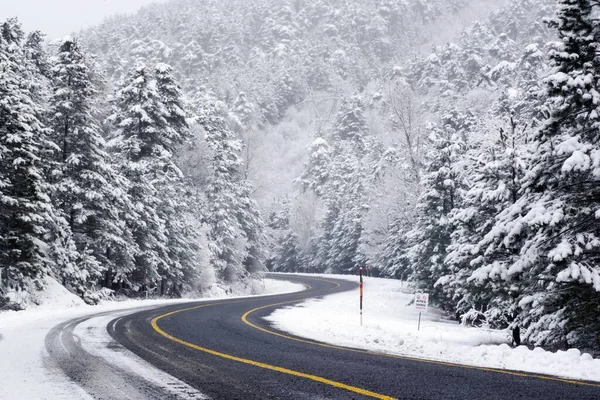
366 133
91 190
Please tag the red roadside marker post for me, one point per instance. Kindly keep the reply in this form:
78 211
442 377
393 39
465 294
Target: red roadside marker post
360 272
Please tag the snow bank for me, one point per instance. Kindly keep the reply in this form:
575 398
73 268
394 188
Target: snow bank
272 286
390 326
256 287
54 294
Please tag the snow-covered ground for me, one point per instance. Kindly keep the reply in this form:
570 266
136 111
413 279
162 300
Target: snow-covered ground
390 326
25 372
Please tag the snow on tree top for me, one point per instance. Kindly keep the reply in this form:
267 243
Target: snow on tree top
163 68
319 142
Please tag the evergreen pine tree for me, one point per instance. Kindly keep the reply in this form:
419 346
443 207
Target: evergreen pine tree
36 54
143 154
395 258
492 179
345 229
235 225
553 226
177 129
24 197
316 171
442 186
285 255
253 228
175 208
334 170
88 193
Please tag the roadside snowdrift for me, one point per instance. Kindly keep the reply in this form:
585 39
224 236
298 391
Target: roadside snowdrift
390 326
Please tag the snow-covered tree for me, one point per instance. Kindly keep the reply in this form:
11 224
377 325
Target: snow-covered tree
316 171
171 96
151 120
253 228
24 196
442 185
335 169
245 123
175 207
351 125
235 225
285 253
35 52
183 235
492 179
88 193
144 143
394 260
345 213
561 261
226 244
553 225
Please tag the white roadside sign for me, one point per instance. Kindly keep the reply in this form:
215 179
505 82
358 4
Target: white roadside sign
421 302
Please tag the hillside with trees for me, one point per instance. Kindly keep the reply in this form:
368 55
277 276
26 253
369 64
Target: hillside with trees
92 191
451 143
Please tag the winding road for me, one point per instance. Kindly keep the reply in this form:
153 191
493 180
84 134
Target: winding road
225 350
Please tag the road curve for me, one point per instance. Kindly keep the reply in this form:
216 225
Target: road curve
227 351
100 375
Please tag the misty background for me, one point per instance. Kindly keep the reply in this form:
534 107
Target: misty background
58 18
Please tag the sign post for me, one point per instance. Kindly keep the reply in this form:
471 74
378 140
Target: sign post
421 305
360 273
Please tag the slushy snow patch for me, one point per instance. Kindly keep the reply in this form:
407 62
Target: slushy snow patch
390 326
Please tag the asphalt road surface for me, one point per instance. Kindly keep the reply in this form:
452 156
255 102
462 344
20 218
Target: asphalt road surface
97 376
227 351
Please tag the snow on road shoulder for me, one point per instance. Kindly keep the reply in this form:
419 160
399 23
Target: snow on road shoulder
390 326
95 340
24 361
275 286
24 369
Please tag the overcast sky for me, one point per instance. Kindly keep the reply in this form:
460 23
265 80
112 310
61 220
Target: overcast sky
57 18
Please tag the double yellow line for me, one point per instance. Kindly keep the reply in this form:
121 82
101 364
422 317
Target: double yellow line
259 364
319 379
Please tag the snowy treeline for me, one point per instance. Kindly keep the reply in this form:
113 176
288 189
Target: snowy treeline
91 187
291 71
506 227
468 169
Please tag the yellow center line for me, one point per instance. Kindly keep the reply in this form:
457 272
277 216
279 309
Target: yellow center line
257 363
421 360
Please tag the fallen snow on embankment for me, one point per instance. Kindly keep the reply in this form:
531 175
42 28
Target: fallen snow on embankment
27 373
390 326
